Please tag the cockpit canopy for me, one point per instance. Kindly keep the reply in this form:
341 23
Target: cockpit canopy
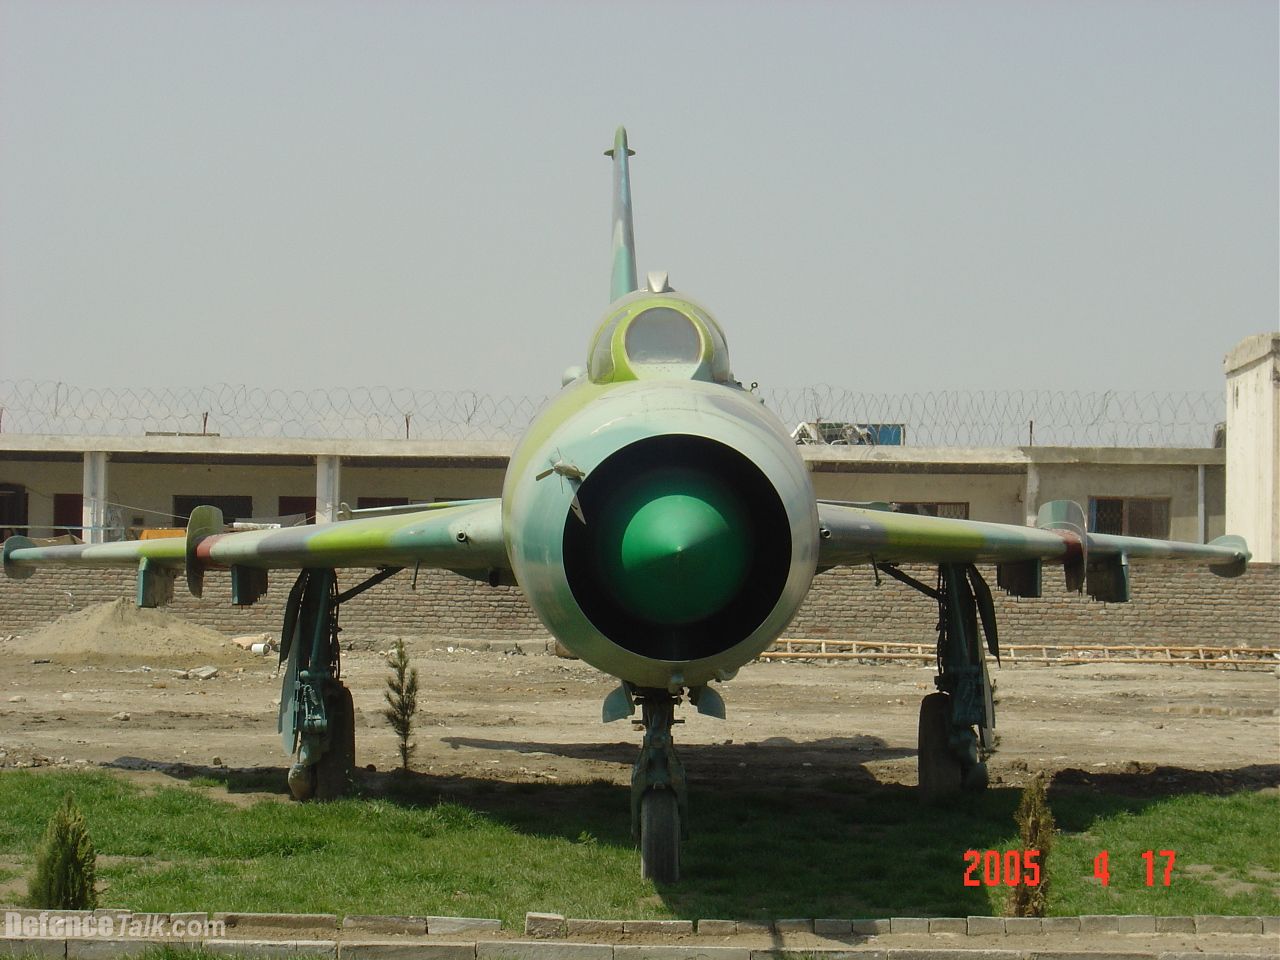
666 336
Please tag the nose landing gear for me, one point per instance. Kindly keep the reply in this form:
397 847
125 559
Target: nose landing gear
659 792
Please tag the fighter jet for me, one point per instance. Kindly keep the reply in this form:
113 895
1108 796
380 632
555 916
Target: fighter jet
662 524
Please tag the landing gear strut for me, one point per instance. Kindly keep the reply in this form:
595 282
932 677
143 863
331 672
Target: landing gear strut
957 724
659 794
317 719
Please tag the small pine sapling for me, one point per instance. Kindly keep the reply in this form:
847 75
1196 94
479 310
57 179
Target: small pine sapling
1035 827
402 700
66 864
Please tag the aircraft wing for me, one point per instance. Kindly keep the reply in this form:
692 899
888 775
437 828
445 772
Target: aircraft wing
461 535
853 534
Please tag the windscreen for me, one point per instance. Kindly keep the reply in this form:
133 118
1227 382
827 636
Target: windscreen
663 335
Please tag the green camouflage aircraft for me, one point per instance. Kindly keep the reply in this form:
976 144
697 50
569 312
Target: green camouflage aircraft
664 527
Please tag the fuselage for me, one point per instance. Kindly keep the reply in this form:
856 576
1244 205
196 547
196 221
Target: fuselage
657 515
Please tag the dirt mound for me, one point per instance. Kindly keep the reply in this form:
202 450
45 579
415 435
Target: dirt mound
120 631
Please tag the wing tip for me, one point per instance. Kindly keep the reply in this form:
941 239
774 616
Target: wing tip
11 569
1235 566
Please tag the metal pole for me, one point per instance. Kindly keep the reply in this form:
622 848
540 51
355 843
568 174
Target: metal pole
1200 514
328 487
93 513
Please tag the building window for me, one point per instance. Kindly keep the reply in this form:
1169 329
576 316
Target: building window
952 510
298 506
1130 516
13 510
233 508
68 512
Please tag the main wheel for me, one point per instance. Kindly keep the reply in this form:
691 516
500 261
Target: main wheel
938 767
976 778
660 836
334 768
302 781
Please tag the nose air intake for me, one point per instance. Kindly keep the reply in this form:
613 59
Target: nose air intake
685 550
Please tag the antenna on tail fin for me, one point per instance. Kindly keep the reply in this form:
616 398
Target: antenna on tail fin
624 240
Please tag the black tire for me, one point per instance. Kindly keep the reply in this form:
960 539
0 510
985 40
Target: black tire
660 836
334 769
976 778
938 768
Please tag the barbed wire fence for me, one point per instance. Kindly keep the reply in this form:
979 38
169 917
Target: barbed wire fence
1007 418
950 418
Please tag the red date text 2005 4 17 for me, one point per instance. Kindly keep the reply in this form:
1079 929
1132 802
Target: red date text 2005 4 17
1013 868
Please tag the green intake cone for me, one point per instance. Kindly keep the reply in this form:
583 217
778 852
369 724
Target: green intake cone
676 545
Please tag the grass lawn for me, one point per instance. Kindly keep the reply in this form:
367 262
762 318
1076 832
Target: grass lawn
758 851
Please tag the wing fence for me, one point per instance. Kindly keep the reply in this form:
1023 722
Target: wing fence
997 418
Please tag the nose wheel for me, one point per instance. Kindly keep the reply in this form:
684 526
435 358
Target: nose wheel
660 836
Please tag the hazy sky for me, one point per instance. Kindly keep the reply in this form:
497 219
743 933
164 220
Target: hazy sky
882 196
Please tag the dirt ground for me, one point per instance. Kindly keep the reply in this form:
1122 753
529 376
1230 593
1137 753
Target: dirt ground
111 687
512 712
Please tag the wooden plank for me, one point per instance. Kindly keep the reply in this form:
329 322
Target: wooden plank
855 646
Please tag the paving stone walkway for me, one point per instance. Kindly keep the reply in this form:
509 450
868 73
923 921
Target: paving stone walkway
107 934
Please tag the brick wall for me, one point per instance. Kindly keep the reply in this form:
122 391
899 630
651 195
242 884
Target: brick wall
1172 603
443 603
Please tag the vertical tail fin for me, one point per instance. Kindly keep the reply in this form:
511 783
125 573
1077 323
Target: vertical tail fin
624 240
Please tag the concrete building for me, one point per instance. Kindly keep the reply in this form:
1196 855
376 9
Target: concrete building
112 487
1253 447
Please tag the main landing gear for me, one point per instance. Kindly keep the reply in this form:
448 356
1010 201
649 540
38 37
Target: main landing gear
957 724
317 719
317 722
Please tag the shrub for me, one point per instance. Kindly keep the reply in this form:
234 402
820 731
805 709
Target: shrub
1035 826
402 700
65 863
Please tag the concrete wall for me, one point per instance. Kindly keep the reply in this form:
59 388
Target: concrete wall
1253 444
43 479
993 483
1173 603
148 489
153 486
993 497
419 484
1177 483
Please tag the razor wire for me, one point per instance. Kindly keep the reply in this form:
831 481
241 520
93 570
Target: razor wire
226 410
1011 418
949 418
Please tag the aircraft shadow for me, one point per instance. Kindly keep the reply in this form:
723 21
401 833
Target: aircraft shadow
759 849
833 753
